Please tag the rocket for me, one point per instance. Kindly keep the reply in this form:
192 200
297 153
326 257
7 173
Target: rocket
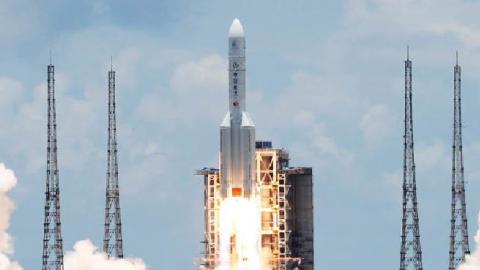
237 131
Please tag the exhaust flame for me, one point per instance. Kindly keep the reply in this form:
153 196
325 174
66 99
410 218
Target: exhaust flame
240 234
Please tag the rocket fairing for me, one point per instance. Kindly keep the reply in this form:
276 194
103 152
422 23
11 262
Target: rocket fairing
237 131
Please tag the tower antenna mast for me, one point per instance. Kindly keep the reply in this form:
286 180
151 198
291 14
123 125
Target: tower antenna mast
458 232
410 251
113 241
52 258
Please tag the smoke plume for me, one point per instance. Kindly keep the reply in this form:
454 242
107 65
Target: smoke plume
472 261
85 256
7 182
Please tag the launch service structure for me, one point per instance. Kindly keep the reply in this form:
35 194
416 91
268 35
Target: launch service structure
270 226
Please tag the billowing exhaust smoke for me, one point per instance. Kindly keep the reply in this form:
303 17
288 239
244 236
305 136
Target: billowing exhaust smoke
472 261
85 256
7 182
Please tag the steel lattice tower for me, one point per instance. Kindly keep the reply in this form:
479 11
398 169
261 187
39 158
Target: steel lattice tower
458 231
112 243
52 258
410 252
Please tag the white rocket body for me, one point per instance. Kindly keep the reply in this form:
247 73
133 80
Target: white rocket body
237 131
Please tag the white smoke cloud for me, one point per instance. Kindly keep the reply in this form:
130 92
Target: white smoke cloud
472 261
85 256
7 182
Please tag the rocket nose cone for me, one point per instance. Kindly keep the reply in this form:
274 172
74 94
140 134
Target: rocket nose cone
236 29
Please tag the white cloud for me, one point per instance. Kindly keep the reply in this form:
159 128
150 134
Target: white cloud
431 157
316 93
393 182
100 7
376 124
126 65
11 91
194 87
23 16
327 146
438 17
394 179
206 74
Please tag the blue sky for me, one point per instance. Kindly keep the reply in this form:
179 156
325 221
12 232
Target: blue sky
325 81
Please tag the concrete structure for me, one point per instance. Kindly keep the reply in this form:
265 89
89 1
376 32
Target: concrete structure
300 219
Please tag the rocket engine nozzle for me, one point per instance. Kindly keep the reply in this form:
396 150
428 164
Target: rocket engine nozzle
237 192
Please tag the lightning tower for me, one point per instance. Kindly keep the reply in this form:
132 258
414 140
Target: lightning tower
458 231
52 258
410 251
112 243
